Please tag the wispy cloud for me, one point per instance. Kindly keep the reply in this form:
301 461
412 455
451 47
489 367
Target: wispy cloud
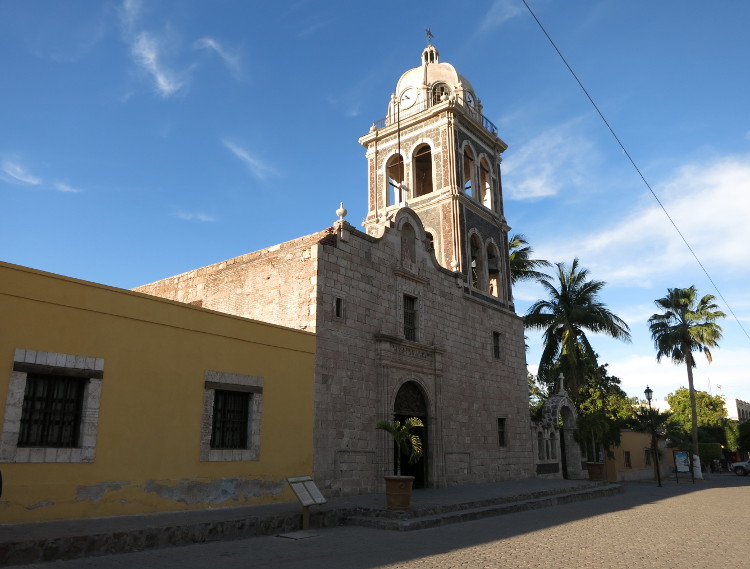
501 11
230 57
202 217
709 203
258 168
129 13
11 170
547 163
146 49
149 50
63 187
18 174
727 375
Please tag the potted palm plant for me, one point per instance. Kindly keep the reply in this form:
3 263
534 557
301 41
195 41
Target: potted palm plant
398 488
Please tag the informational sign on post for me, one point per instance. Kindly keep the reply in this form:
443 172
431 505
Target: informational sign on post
682 461
308 495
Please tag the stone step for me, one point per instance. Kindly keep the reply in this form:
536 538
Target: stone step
456 513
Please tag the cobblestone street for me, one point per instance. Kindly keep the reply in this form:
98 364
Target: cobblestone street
676 526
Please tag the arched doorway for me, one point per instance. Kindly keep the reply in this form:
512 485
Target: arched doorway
410 402
559 414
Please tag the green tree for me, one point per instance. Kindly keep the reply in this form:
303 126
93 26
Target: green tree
602 392
538 393
710 409
572 309
603 409
595 431
522 266
686 324
732 435
644 419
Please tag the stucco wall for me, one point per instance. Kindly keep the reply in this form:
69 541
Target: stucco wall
155 356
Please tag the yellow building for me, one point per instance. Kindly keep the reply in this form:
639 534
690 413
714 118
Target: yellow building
115 402
633 459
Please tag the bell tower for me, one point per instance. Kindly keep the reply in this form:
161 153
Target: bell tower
436 153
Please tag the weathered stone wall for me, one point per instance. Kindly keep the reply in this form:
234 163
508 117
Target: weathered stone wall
275 285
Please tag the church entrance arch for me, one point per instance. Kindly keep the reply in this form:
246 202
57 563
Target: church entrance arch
411 402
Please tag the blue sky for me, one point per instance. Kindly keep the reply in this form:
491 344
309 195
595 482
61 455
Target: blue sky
141 139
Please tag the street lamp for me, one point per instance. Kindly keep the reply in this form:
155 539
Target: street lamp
649 393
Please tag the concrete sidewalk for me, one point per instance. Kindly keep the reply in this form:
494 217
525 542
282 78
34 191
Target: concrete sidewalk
47 541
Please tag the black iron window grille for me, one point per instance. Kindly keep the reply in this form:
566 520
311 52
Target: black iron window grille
410 318
51 412
230 419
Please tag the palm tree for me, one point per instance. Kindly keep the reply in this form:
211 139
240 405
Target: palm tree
522 266
573 308
686 325
406 441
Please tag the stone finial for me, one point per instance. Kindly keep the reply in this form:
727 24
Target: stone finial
341 212
561 386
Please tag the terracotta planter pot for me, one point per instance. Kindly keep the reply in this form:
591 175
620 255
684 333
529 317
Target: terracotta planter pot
596 470
398 492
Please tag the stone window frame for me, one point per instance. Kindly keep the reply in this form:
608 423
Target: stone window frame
627 459
214 380
27 361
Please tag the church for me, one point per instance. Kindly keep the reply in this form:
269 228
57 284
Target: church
413 314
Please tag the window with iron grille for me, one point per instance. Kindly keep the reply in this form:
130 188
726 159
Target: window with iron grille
647 456
51 412
230 419
501 440
628 463
410 318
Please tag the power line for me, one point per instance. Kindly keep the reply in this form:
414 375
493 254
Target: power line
622 146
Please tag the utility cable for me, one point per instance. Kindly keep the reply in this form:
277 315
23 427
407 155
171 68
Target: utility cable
622 146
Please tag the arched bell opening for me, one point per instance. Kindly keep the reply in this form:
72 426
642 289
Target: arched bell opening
422 161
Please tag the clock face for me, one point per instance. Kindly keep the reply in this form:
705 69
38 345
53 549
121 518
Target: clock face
469 98
408 98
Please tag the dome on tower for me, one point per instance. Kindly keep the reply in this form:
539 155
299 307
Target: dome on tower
433 82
